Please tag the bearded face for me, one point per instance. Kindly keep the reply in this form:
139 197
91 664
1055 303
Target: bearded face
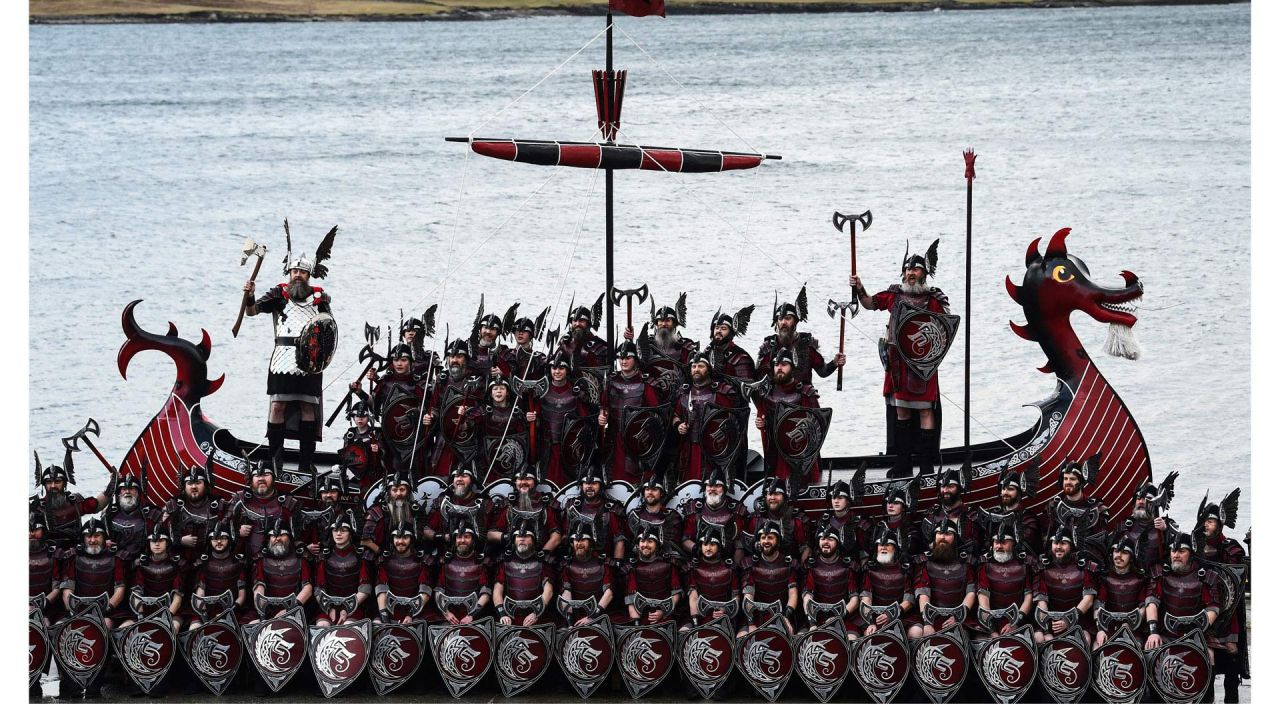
591 491
402 543
786 329
400 510
463 544
915 281
775 501
1071 485
299 287
1211 526
713 495
524 499
579 333
128 500
1140 512
194 491
1009 496
948 494
524 545
1060 550
647 548
699 372
1180 560
95 543
710 550
220 544
457 366
782 373
665 336
885 554
722 334
279 546
329 497
1002 556
944 548
461 486
263 484
488 336
581 549
827 546
768 544
652 496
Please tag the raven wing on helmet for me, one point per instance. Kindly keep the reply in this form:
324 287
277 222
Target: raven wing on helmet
1031 477
38 472
931 256
597 312
288 246
1231 508
475 324
742 318
322 254
1091 468
1165 495
681 306
653 311
553 336
642 345
68 466
857 485
541 321
509 320
429 321
802 303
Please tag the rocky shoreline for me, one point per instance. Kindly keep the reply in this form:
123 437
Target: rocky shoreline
477 14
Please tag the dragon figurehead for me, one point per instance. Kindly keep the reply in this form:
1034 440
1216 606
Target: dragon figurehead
1057 284
189 359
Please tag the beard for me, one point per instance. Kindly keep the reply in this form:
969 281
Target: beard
487 343
127 503
665 338
298 290
524 501
455 372
197 497
721 343
1141 514
885 558
786 335
278 549
92 549
57 500
1179 567
919 288
579 335
458 492
1008 504
263 490
581 554
1002 557
944 552
400 511
715 501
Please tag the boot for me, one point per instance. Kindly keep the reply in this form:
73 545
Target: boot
904 437
1231 679
927 448
275 442
307 445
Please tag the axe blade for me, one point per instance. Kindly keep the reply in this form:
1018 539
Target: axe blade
615 296
71 443
864 219
839 221
833 307
642 293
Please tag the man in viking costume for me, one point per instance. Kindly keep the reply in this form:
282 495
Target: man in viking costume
665 349
904 390
629 386
191 513
1230 642
394 507
306 337
889 579
523 360
527 505
1125 587
728 360
715 509
587 575
524 583
403 574
831 583
801 346
693 403
652 512
1146 526
61 509
1006 578
580 341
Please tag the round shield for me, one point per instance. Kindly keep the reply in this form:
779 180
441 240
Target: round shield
279 647
146 650
339 654
881 663
81 646
1065 669
316 344
396 653
576 443
508 456
521 657
940 665
706 655
645 656
721 436
922 338
1121 672
213 651
400 419
464 654
643 433
1007 666
355 457
586 654
37 652
765 657
822 659
456 428
799 432
1180 672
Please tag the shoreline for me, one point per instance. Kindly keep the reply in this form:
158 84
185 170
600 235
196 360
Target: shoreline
446 13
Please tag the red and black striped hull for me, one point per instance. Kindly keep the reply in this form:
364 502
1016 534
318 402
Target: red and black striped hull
615 157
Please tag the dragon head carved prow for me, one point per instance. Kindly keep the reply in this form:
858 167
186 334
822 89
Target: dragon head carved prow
1057 284
189 359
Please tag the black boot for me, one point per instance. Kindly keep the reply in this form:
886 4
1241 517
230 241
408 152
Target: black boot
927 449
307 445
904 432
1230 679
275 442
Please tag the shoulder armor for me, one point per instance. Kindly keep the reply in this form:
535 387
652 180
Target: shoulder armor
810 562
809 391
1082 563
697 504
1201 572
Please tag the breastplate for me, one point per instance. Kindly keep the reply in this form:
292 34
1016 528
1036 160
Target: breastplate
653 579
1124 592
1064 585
771 580
1007 581
889 583
714 581
222 574
94 574
460 577
288 325
522 579
281 576
584 579
157 577
403 574
947 583
342 573
1182 594
40 570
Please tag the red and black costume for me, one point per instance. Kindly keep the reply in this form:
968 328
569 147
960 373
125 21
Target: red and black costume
715 581
405 576
448 394
1064 583
449 512
341 573
542 516
589 578
793 523
281 577
44 576
1006 583
459 577
795 392
656 580
496 425
91 575
730 518
690 407
218 573
523 581
192 518
946 583
769 581
247 508
891 584
622 391
555 408
395 388
831 582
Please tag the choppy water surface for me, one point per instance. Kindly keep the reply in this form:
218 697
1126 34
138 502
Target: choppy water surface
152 146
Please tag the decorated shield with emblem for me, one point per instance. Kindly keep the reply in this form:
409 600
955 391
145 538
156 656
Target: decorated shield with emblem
522 656
507 455
1179 670
881 662
316 345
1006 664
940 663
723 433
399 421
37 646
577 443
462 653
645 655
1066 667
339 654
1120 668
357 457
585 654
765 658
644 432
80 644
458 432
798 433
921 337
213 651
277 648
395 653
822 658
146 648
706 655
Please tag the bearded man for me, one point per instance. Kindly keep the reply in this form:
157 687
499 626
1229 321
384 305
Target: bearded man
1005 578
219 571
888 580
1066 581
727 358
294 392
454 394
253 510
191 513
486 352
92 570
396 507
60 509
280 574
586 576
666 349
946 578
831 584
653 513
1149 531
1122 589
788 388
629 386
156 574
460 504
715 509
523 360
773 506
552 412
652 579
801 346
525 582
128 518
581 342
692 405
527 505
769 584
903 389
403 576
605 516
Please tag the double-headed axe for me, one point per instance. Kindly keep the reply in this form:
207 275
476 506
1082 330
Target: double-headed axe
73 443
640 294
250 249
840 220
846 310
531 389
371 335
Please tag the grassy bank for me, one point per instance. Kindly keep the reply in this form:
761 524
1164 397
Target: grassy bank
55 11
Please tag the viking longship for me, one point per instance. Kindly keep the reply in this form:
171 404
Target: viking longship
1082 415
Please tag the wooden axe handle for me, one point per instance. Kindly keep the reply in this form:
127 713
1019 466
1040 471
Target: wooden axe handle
244 302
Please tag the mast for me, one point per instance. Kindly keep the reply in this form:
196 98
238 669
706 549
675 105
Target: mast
608 131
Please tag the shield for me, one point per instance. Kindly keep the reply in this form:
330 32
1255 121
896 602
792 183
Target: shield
723 433
1179 670
881 662
585 653
462 653
1229 582
644 432
80 644
37 646
940 663
316 345
765 658
339 654
277 647
213 652
645 655
921 337
1066 667
146 648
396 652
507 454
400 419
798 433
1007 664
706 655
356 456
822 658
458 432
1120 668
577 443
522 656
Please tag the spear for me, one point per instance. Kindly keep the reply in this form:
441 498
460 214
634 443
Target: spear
969 174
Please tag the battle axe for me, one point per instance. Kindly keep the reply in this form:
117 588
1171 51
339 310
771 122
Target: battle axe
251 249
846 310
840 220
72 443
371 334
640 294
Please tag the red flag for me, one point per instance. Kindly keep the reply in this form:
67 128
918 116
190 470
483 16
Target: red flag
639 8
